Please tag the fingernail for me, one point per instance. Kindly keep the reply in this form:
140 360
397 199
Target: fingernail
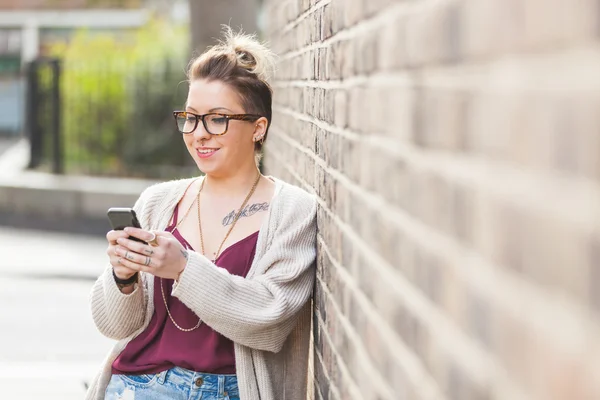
127 229
120 240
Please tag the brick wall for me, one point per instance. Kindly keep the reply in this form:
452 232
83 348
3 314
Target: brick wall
455 149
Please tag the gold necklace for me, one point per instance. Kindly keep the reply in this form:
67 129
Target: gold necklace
202 246
186 213
171 317
237 216
162 290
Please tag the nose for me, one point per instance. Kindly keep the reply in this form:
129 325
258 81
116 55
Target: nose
200 133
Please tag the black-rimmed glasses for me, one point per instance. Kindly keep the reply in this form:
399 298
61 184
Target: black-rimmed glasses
214 123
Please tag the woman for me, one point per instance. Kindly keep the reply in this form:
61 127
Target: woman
216 305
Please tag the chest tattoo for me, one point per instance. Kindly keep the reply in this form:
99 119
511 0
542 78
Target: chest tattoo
248 211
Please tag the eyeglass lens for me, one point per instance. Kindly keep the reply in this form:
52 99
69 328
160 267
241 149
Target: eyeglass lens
213 123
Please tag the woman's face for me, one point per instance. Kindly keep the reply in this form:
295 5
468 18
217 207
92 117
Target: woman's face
225 154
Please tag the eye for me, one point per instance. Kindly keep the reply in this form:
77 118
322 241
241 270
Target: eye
218 120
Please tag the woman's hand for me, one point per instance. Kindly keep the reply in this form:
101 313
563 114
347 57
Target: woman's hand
121 271
166 260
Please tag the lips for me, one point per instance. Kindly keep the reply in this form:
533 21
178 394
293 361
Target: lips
206 152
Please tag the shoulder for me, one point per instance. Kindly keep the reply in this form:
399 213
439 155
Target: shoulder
295 201
157 198
165 188
293 194
164 192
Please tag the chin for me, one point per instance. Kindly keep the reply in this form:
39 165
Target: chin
207 167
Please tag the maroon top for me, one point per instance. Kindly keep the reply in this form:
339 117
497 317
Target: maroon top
162 345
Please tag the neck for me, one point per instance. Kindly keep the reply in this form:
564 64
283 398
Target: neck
232 185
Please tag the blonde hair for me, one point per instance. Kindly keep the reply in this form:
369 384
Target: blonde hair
245 64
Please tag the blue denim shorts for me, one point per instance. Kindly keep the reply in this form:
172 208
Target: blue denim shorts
175 383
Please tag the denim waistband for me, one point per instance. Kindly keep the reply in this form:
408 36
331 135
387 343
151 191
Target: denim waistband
199 381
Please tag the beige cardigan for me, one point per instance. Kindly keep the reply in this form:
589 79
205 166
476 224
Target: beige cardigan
267 314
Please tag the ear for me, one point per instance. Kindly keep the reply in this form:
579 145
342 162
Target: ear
260 127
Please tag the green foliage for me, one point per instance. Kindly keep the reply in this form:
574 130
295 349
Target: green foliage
118 91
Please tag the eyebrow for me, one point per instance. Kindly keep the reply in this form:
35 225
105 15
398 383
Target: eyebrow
219 108
210 111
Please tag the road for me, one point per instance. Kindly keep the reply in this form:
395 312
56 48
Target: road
49 345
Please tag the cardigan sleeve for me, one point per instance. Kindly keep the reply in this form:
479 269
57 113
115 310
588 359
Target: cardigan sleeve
258 312
118 315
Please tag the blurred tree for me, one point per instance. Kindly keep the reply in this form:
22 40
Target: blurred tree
118 92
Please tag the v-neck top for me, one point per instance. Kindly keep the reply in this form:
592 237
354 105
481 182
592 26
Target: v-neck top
162 345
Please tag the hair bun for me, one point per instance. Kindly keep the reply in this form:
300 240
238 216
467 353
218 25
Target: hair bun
250 54
245 59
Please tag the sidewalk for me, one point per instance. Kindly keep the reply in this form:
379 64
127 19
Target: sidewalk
49 345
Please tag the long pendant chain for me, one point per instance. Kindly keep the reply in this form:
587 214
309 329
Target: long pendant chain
237 216
202 246
171 317
186 213
162 289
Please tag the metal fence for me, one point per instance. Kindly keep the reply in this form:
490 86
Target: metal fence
108 119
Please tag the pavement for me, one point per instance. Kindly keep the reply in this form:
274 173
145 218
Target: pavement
49 345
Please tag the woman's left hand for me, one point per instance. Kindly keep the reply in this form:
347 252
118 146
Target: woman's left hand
166 260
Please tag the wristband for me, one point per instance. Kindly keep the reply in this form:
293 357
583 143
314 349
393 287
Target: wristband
125 282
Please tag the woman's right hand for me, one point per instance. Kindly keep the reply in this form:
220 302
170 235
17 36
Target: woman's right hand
121 271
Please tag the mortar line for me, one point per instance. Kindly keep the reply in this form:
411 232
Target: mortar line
375 80
475 172
411 364
480 362
483 275
290 25
434 318
388 15
360 348
325 371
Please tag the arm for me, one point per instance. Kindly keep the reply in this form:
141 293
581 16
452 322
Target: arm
117 314
258 312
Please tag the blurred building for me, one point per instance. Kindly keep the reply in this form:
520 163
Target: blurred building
29 27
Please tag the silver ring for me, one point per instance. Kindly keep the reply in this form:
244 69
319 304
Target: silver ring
148 261
127 255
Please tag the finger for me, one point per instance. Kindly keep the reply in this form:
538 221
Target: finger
148 251
113 235
140 233
128 254
135 266
136 258
132 245
140 248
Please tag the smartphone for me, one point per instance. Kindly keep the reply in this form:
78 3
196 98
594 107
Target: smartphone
121 217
